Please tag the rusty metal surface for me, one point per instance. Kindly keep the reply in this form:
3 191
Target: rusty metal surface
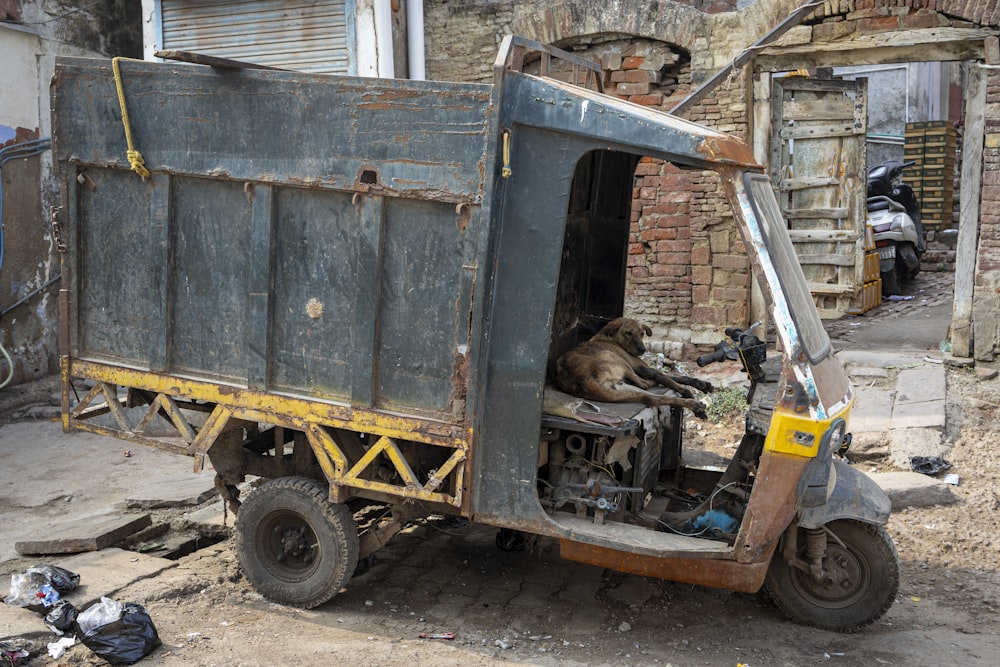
716 573
418 139
772 505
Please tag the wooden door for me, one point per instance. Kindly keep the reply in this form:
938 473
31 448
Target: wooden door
818 168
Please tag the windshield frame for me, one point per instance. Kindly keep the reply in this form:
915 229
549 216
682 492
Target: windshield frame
789 290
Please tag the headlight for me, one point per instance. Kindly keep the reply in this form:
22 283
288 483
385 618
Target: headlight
897 223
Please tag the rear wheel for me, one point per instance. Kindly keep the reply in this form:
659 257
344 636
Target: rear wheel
294 545
858 585
891 280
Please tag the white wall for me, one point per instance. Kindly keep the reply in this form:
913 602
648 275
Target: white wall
19 103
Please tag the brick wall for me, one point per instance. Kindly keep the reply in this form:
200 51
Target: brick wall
695 38
986 300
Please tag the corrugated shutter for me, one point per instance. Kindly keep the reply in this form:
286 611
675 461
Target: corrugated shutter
299 34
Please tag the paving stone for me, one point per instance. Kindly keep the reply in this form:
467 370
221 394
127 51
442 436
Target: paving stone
927 414
872 410
921 384
183 491
212 520
90 534
102 573
911 489
907 442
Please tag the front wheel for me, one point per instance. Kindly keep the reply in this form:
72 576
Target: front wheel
294 545
858 584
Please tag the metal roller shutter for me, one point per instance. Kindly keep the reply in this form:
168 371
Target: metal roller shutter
302 35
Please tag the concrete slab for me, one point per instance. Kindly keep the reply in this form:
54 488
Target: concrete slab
926 414
907 442
867 372
853 358
173 491
911 489
102 573
89 534
920 384
212 520
872 410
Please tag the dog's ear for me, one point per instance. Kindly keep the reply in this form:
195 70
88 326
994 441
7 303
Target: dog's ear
647 330
612 328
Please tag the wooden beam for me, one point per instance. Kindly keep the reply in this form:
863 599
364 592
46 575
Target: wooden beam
967 246
746 56
900 46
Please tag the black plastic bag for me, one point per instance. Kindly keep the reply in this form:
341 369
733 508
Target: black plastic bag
61 619
60 578
129 639
928 465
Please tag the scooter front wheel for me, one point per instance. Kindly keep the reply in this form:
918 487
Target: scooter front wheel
857 585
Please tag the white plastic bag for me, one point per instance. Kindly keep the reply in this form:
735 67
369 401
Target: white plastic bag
104 612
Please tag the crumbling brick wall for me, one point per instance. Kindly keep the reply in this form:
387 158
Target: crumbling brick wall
691 305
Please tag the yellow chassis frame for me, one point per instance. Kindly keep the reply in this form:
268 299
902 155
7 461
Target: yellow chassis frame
312 417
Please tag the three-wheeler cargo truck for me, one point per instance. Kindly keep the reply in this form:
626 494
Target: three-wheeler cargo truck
353 292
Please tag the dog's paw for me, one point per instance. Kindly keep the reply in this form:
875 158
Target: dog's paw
707 387
698 408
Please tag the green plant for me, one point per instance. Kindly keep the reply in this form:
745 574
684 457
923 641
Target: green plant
724 405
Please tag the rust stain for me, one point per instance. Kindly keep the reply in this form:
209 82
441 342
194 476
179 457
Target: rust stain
712 572
772 505
720 148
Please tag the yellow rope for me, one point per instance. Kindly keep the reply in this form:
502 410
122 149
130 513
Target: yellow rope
134 157
505 172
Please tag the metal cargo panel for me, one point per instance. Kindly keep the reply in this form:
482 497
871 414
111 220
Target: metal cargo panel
423 306
209 296
304 35
315 282
119 305
314 236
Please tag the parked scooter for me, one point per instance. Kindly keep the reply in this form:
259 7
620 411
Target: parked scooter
894 216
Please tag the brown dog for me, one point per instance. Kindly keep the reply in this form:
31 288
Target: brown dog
608 368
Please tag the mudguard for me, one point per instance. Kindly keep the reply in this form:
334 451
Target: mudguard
855 496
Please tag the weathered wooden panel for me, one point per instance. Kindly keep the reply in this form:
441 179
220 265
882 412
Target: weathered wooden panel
211 262
119 307
819 160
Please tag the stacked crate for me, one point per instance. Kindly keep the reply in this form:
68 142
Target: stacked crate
932 145
871 292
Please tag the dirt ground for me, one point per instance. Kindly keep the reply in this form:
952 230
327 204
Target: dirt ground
532 608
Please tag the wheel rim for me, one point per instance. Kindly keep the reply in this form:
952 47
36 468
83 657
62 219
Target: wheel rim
287 546
847 576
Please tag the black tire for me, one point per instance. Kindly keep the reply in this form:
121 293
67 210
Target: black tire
907 261
294 545
890 281
866 565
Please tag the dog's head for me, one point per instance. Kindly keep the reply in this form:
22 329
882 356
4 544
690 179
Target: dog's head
628 333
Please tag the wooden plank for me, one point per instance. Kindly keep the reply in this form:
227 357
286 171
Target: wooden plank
846 129
814 110
829 259
968 225
898 46
90 534
831 289
822 235
787 184
814 214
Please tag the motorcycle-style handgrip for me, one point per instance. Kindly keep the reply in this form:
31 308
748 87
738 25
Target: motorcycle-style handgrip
734 332
718 355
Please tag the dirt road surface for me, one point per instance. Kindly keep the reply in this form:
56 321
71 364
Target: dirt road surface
530 607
